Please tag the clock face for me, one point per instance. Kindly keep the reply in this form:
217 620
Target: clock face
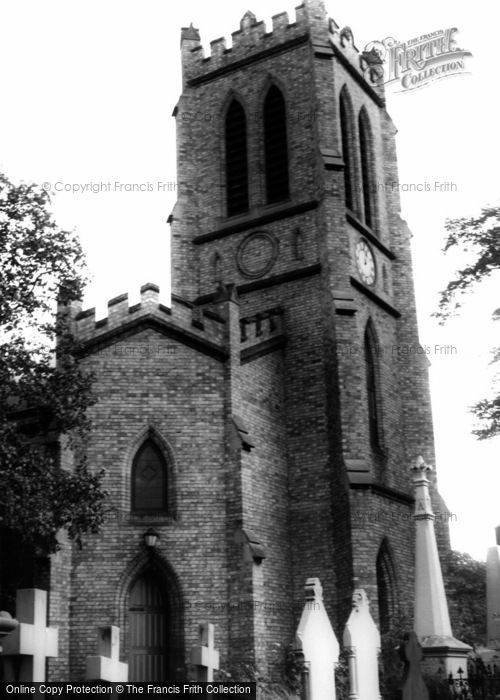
365 262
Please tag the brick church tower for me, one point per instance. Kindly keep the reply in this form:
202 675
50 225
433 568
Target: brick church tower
263 425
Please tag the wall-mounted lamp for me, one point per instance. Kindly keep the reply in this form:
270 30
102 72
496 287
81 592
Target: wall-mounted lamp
150 537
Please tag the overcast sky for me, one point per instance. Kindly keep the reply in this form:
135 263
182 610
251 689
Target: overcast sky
88 89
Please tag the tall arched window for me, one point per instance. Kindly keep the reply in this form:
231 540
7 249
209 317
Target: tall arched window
367 169
370 352
217 269
348 150
236 160
149 480
386 588
275 146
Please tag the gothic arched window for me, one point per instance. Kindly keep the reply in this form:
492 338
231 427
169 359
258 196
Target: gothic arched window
367 169
370 352
275 146
236 160
149 480
217 269
386 588
348 150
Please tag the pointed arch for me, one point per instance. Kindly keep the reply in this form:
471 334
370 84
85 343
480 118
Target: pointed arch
385 282
216 264
371 353
387 587
275 146
348 138
149 480
152 475
298 244
151 575
368 178
236 153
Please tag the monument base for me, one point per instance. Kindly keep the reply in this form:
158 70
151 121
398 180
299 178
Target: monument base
444 655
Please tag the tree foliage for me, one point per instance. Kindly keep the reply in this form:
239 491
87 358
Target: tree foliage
390 663
44 395
479 238
465 583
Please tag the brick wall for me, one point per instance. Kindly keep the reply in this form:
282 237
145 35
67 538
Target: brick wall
150 381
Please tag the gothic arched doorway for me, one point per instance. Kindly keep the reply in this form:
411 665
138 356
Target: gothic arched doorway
148 629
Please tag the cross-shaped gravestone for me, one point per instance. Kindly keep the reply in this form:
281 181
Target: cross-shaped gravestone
107 665
32 640
204 656
316 640
411 653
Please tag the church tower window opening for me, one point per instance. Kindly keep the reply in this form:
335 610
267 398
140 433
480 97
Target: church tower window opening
348 150
236 160
370 354
275 146
367 158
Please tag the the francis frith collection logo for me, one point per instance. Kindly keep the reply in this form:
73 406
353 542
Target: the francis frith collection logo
415 63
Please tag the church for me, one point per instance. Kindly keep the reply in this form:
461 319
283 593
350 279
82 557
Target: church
259 430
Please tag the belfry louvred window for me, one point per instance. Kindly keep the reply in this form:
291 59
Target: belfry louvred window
370 348
236 160
367 169
348 141
149 480
275 146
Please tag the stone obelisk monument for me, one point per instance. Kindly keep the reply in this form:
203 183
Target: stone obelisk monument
493 594
443 653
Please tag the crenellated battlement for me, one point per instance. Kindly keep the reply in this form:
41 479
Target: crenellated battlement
311 22
252 37
180 316
262 326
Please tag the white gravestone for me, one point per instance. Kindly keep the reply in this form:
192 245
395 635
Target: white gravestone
106 666
362 642
204 656
316 640
32 640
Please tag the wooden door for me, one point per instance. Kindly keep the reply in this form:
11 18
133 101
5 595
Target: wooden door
148 630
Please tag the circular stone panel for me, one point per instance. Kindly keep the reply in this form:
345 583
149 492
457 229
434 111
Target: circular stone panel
257 254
